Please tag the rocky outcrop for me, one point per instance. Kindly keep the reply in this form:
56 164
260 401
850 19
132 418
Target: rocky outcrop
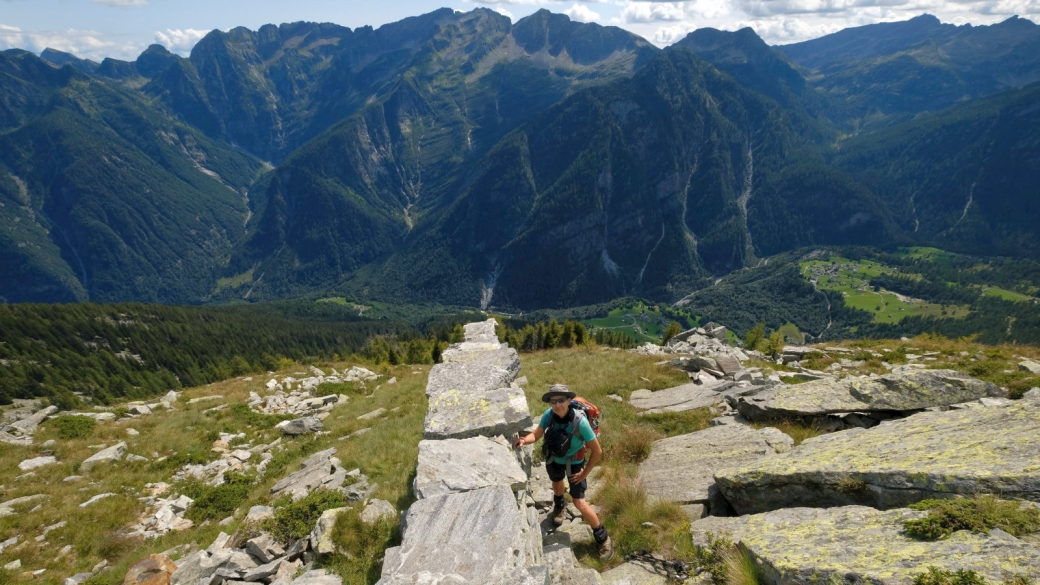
856 544
461 465
988 450
151 570
564 568
680 398
902 392
469 412
681 469
476 537
300 426
20 432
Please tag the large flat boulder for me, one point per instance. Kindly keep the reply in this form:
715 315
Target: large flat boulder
473 372
988 450
458 413
481 331
681 469
319 471
477 537
680 398
109 455
898 392
461 465
857 544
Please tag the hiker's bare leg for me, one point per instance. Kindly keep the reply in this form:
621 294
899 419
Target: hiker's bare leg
559 488
587 513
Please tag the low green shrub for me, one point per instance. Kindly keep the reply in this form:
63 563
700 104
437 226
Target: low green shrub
978 514
294 520
216 502
936 576
74 427
850 487
727 563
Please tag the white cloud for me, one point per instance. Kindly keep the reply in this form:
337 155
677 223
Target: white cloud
81 43
179 41
581 13
652 12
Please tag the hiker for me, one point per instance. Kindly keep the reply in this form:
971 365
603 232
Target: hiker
556 425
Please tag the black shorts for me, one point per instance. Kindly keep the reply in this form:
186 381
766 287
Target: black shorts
558 471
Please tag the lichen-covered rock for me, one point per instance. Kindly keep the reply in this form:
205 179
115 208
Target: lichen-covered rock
898 392
857 544
473 372
988 450
681 469
476 537
376 510
460 465
636 572
321 536
463 412
300 426
564 568
680 398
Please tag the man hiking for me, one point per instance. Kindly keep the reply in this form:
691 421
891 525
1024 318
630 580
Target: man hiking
566 458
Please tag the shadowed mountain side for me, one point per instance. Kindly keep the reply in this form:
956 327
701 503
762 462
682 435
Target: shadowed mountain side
964 179
637 187
895 69
104 198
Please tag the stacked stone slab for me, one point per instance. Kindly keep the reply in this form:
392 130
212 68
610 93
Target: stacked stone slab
468 527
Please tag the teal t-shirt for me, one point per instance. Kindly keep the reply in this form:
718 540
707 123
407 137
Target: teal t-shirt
585 431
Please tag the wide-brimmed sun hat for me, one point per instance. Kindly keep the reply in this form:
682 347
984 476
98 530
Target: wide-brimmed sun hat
557 390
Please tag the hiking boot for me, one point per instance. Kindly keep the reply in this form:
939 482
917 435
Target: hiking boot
559 514
606 549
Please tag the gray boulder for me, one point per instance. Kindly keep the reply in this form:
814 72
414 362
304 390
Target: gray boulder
898 392
109 455
29 424
564 568
856 544
681 469
460 465
376 510
987 450
680 398
300 426
320 470
636 573
321 536
476 537
318 577
467 411
481 332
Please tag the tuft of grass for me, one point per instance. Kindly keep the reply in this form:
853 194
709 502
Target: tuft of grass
850 487
626 509
798 430
294 520
634 444
936 576
361 546
728 563
978 514
73 427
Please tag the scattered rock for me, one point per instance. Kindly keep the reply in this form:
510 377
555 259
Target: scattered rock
300 426
317 577
372 415
321 536
205 399
615 398
459 465
986 450
111 454
681 469
322 470
132 432
376 510
36 462
151 570
564 568
15 564
1029 366
258 514
856 544
96 498
636 573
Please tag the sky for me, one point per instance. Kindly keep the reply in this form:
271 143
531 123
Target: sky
122 29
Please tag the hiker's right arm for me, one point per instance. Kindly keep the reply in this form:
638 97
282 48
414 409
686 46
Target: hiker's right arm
530 438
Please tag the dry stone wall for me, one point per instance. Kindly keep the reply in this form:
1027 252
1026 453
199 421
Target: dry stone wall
470 525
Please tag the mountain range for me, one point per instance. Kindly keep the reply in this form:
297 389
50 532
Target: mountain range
462 158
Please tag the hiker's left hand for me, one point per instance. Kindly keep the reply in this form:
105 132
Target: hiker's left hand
579 477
